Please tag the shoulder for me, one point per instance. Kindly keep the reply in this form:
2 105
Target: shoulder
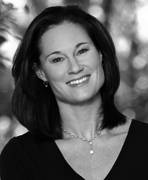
134 130
137 143
139 129
24 143
131 126
22 147
23 153
123 128
14 159
14 147
16 142
135 127
139 124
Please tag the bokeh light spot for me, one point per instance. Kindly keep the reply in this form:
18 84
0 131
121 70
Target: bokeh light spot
142 82
142 23
129 113
96 11
4 123
123 46
139 62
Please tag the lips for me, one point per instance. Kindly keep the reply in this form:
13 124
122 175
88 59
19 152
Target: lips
79 81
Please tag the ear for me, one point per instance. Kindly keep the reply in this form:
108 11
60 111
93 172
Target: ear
39 72
100 56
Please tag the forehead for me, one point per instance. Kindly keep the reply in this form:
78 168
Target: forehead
64 35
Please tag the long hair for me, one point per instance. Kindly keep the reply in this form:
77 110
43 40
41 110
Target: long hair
34 105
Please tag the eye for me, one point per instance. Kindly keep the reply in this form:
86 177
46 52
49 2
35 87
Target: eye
82 51
57 60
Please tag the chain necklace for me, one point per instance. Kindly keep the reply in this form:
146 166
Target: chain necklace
89 141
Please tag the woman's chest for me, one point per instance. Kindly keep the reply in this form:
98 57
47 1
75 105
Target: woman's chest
96 166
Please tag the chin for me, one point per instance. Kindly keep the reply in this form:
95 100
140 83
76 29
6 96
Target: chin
85 98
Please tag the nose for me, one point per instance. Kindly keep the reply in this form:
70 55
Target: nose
74 66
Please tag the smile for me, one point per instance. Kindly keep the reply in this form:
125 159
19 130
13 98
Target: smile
80 81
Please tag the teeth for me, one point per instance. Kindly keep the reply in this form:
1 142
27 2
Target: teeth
78 81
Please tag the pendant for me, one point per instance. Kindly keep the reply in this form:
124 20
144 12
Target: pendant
91 152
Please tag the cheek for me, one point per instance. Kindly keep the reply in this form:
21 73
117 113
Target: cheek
98 69
54 74
96 64
94 60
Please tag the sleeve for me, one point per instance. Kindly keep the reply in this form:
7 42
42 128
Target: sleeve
14 162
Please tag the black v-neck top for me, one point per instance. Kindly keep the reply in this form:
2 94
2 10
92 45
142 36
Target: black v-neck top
26 158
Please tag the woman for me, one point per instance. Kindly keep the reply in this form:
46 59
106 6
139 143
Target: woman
66 75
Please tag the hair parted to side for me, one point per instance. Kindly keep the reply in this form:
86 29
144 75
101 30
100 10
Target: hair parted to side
35 106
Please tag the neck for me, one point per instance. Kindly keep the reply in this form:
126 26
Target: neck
81 120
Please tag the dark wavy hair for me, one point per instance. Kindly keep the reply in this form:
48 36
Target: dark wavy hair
35 106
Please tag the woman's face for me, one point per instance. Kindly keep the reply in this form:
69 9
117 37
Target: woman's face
70 63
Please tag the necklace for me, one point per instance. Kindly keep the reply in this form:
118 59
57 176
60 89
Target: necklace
84 139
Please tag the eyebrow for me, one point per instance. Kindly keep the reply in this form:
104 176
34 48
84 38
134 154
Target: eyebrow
59 52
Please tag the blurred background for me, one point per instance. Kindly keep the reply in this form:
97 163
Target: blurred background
127 22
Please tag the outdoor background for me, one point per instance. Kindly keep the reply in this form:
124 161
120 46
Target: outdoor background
127 22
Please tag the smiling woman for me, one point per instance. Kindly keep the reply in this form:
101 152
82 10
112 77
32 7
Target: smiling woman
66 75
68 51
